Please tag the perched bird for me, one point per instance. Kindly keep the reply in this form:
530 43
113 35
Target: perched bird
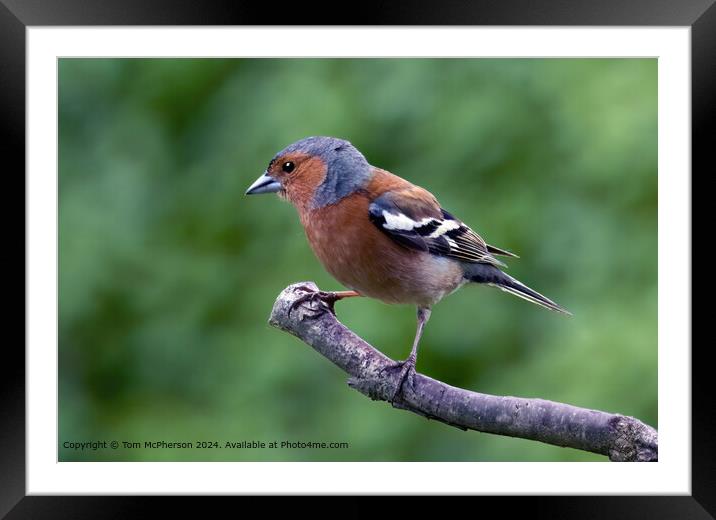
380 235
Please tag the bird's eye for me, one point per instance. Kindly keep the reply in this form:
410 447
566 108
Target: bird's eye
288 167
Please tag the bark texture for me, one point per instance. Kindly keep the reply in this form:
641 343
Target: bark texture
619 437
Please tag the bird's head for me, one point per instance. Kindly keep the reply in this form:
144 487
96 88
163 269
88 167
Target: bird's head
314 172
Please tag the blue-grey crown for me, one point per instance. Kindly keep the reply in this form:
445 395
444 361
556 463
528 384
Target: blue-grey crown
347 171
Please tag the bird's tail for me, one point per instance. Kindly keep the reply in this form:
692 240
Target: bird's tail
491 275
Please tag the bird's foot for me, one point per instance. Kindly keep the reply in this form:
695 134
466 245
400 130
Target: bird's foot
407 370
314 303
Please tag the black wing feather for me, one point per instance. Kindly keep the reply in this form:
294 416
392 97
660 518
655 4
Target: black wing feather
426 227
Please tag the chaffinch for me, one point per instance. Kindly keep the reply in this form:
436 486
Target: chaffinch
380 235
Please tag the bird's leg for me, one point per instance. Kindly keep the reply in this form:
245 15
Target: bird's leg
325 300
408 366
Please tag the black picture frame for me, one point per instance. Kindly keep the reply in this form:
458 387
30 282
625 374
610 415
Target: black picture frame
17 15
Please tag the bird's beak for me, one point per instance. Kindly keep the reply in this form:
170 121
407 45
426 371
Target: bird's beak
264 184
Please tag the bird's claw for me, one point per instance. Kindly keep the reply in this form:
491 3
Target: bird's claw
319 302
407 369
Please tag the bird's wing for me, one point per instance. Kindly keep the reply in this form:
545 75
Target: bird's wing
413 218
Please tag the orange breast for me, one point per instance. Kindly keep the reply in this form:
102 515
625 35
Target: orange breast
364 259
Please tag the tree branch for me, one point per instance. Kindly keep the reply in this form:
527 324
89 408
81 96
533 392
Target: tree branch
619 437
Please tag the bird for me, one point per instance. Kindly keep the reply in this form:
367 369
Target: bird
382 236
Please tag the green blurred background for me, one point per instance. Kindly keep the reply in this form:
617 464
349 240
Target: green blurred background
168 273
